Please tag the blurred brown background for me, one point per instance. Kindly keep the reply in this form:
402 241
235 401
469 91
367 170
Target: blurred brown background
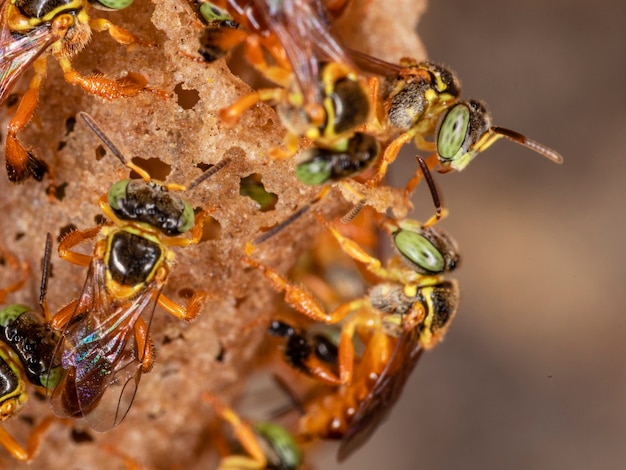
533 372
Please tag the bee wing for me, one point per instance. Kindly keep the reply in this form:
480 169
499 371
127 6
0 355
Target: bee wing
375 409
19 51
304 31
373 64
101 367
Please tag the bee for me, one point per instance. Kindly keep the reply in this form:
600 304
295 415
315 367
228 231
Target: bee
26 349
407 311
320 95
105 346
419 100
268 445
30 32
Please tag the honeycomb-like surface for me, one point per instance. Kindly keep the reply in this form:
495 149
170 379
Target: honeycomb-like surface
168 425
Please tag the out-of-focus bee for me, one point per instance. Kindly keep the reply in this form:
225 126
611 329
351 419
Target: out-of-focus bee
320 95
30 32
26 349
418 101
408 310
105 346
268 445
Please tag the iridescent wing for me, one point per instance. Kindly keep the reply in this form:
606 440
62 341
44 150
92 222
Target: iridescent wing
304 31
18 51
99 354
375 408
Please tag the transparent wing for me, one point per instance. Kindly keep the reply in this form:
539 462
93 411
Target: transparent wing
375 408
304 31
99 354
17 52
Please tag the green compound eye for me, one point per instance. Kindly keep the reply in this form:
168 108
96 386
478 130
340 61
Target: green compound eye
212 14
419 251
282 442
11 312
186 219
312 172
453 132
113 4
117 193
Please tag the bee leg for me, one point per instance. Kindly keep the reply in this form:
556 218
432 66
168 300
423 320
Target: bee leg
354 251
388 157
254 54
300 299
20 162
145 349
34 441
189 312
13 263
72 239
231 114
245 435
121 35
292 142
63 316
363 319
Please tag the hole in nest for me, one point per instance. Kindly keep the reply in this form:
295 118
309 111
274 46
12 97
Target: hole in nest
186 293
81 437
203 166
58 191
70 123
65 230
99 219
100 152
186 99
12 99
252 187
19 235
212 229
168 339
155 168
61 145
221 355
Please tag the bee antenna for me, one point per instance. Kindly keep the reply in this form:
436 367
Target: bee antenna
432 186
210 172
45 271
356 210
281 226
101 135
533 145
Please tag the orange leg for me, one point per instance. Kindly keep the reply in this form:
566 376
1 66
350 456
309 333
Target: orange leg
231 114
388 157
71 240
144 345
244 433
63 316
185 313
13 263
121 35
300 299
354 251
254 55
22 163
33 444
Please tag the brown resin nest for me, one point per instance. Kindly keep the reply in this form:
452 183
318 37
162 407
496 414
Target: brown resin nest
168 425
